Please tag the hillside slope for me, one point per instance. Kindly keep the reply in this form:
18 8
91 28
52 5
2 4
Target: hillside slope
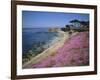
73 52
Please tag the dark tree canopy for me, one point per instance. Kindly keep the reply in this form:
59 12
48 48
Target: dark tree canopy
74 21
63 29
67 27
85 23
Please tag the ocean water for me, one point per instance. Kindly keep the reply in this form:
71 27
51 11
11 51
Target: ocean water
35 38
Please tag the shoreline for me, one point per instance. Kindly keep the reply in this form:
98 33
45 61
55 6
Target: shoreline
50 51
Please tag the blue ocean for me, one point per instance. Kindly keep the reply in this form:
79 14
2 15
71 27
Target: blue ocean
34 38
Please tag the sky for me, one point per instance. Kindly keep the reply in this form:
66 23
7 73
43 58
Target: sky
37 19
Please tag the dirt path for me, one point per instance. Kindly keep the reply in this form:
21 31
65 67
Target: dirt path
50 51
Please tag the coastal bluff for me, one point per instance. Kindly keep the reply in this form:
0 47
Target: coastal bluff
54 29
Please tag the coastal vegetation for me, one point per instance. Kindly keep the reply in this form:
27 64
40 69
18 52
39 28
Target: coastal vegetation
74 52
74 49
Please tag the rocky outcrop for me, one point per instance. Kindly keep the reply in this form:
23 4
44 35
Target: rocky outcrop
54 29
